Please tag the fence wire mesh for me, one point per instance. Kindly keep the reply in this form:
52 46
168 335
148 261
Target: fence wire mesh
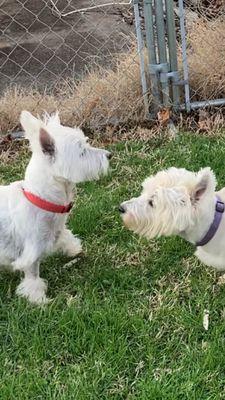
205 36
83 50
44 41
81 57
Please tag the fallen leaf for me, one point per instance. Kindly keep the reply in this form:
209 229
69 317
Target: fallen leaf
164 116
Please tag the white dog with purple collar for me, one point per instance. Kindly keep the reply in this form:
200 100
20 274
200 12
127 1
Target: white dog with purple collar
184 203
33 212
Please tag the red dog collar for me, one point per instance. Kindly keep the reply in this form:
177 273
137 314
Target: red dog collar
46 205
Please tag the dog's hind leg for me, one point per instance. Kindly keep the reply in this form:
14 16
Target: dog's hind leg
32 286
68 243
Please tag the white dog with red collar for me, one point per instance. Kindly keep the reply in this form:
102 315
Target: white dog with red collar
33 212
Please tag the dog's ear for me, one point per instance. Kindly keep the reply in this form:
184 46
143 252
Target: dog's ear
31 126
35 132
47 143
206 182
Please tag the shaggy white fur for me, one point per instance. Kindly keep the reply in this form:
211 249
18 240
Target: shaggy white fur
179 202
61 157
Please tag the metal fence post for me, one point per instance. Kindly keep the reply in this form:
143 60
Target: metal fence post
172 48
184 55
140 47
150 41
162 52
161 41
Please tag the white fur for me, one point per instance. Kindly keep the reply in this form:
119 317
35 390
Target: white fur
179 202
33 289
27 232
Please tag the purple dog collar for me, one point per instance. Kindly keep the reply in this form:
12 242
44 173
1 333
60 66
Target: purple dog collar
219 209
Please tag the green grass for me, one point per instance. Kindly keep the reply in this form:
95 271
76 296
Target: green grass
126 319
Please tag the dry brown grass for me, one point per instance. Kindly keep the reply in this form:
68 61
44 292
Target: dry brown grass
18 99
102 98
12 150
206 59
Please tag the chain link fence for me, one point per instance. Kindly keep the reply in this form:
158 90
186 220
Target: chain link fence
44 41
83 58
77 56
205 36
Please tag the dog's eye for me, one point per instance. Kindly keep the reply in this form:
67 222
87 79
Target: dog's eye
150 203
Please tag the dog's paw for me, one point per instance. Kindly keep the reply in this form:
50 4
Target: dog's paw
73 247
33 289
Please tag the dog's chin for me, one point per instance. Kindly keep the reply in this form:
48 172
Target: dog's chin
129 221
140 229
95 175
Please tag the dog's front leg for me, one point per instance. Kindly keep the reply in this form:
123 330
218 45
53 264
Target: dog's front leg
68 243
28 257
32 286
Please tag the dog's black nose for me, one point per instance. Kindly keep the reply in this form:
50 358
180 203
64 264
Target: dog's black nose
122 209
109 155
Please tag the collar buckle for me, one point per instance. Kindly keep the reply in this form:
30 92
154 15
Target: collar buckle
219 206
